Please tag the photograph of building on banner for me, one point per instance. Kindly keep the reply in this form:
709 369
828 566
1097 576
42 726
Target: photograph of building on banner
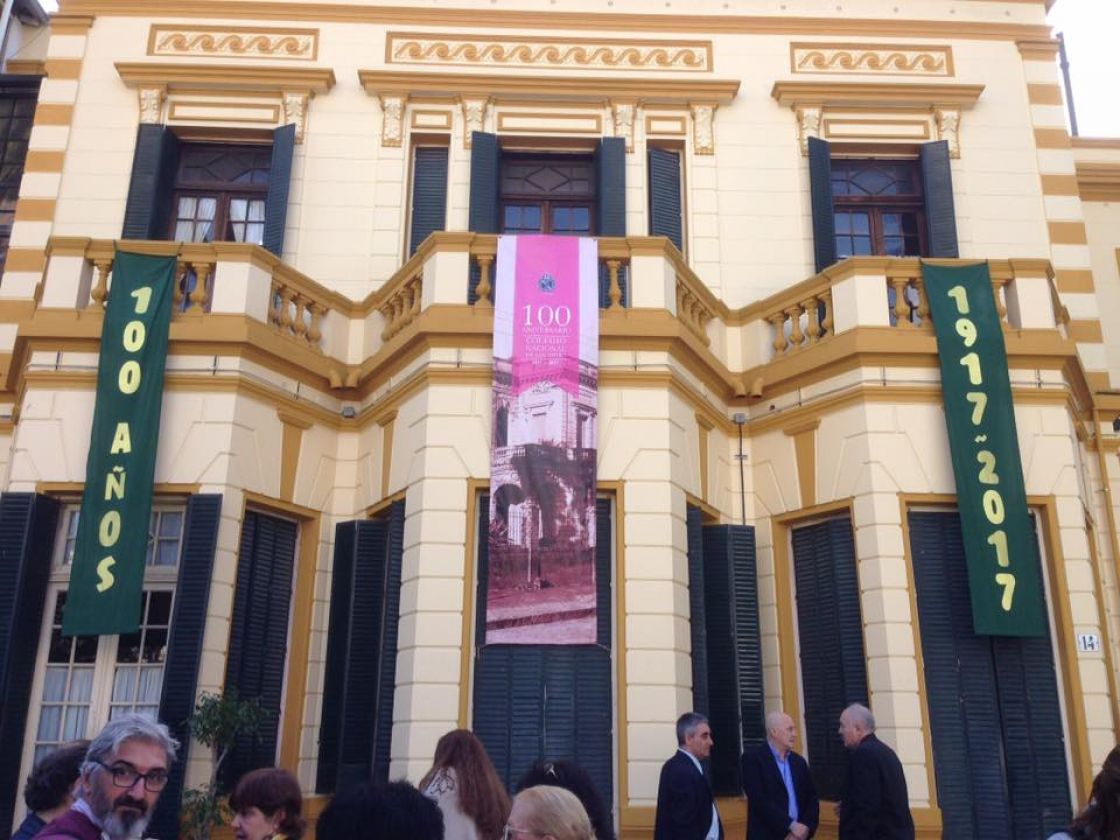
541 579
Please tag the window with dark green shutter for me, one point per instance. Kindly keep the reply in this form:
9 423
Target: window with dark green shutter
665 205
258 639
830 638
995 718
429 194
534 702
726 642
360 675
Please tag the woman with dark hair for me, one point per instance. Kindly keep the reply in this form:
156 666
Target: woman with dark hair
266 804
467 789
1101 818
572 777
50 786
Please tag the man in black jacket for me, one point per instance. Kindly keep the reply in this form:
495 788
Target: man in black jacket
781 796
685 808
874 804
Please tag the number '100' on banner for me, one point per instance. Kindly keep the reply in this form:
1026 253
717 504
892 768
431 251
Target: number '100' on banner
541 577
1000 547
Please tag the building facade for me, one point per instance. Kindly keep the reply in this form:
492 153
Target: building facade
776 513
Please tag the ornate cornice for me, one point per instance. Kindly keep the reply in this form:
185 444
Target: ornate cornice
225 77
1098 181
547 53
233 42
876 94
878 59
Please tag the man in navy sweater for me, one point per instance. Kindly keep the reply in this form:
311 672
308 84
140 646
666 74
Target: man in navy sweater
781 797
685 808
874 804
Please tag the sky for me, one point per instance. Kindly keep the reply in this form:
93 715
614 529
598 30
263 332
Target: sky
1090 28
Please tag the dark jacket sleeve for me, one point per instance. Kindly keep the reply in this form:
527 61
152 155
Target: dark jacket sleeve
863 796
808 805
680 801
763 807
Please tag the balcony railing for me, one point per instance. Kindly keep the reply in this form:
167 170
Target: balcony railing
638 273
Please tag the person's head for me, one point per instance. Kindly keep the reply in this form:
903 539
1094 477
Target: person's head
267 802
396 811
549 813
1101 818
50 786
125 771
694 735
572 777
482 796
780 731
856 723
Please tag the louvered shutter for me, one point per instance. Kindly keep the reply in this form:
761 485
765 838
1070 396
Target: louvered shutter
820 191
279 185
184 647
259 631
154 163
697 625
484 214
429 194
937 188
665 204
610 215
534 702
387 676
27 532
830 635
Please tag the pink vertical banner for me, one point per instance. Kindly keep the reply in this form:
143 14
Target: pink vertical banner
541 578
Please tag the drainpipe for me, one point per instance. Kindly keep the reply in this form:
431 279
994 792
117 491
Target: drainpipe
740 419
1064 63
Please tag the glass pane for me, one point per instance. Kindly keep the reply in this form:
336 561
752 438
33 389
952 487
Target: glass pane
128 648
843 223
238 209
207 207
170 523
151 684
85 649
892 224
81 685
188 207
60 647
54 684
254 233
124 685
861 246
561 218
74 723
581 218
155 645
256 211
843 247
159 608
50 720
893 246
861 223
168 553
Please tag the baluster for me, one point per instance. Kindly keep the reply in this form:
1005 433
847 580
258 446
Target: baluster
796 336
314 331
417 290
923 300
200 297
483 287
285 323
274 305
997 287
901 305
778 321
826 321
299 325
614 290
181 269
387 315
814 328
101 290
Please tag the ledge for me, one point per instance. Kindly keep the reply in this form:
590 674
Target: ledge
225 77
876 94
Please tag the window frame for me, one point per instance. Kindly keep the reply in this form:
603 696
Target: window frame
546 202
224 192
877 206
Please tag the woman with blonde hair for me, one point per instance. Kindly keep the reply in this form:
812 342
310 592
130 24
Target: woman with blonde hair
466 787
548 812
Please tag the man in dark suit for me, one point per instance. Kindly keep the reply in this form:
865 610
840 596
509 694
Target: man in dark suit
874 804
685 808
781 797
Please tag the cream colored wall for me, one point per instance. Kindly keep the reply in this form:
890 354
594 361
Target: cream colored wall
1102 221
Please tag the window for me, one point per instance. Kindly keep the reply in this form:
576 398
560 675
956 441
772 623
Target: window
665 205
17 110
83 681
553 194
220 193
877 206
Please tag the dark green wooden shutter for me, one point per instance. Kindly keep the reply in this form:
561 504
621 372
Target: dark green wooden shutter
995 717
485 202
351 674
665 195
258 642
534 702
830 633
698 625
279 184
429 194
610 198
184 647
27 532
820 191
154 163
734 655
937 187
387 678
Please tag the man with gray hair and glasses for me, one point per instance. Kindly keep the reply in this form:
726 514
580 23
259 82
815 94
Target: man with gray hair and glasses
874 804
125 771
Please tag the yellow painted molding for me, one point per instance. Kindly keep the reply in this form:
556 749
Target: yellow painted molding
876 94
1051 138
1060 185
72 23
76 488
35 209
874 58
48 113
42 160
501 87
1106 143
63 68
1074 280
233 42
25 259
1067 233
1044 94
475 488
225 77
1039 50
1086 331
1098 181
26 67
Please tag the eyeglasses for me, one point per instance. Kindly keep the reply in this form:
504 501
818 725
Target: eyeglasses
511 833
125 777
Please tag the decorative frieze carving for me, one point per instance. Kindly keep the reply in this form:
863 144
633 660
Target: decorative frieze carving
703 131
151 104
948 129
474 116
552 53
233 42
392 119
624 122
808 125
295 111
883 59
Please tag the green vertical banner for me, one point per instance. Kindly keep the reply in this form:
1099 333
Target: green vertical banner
999 542
112 541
